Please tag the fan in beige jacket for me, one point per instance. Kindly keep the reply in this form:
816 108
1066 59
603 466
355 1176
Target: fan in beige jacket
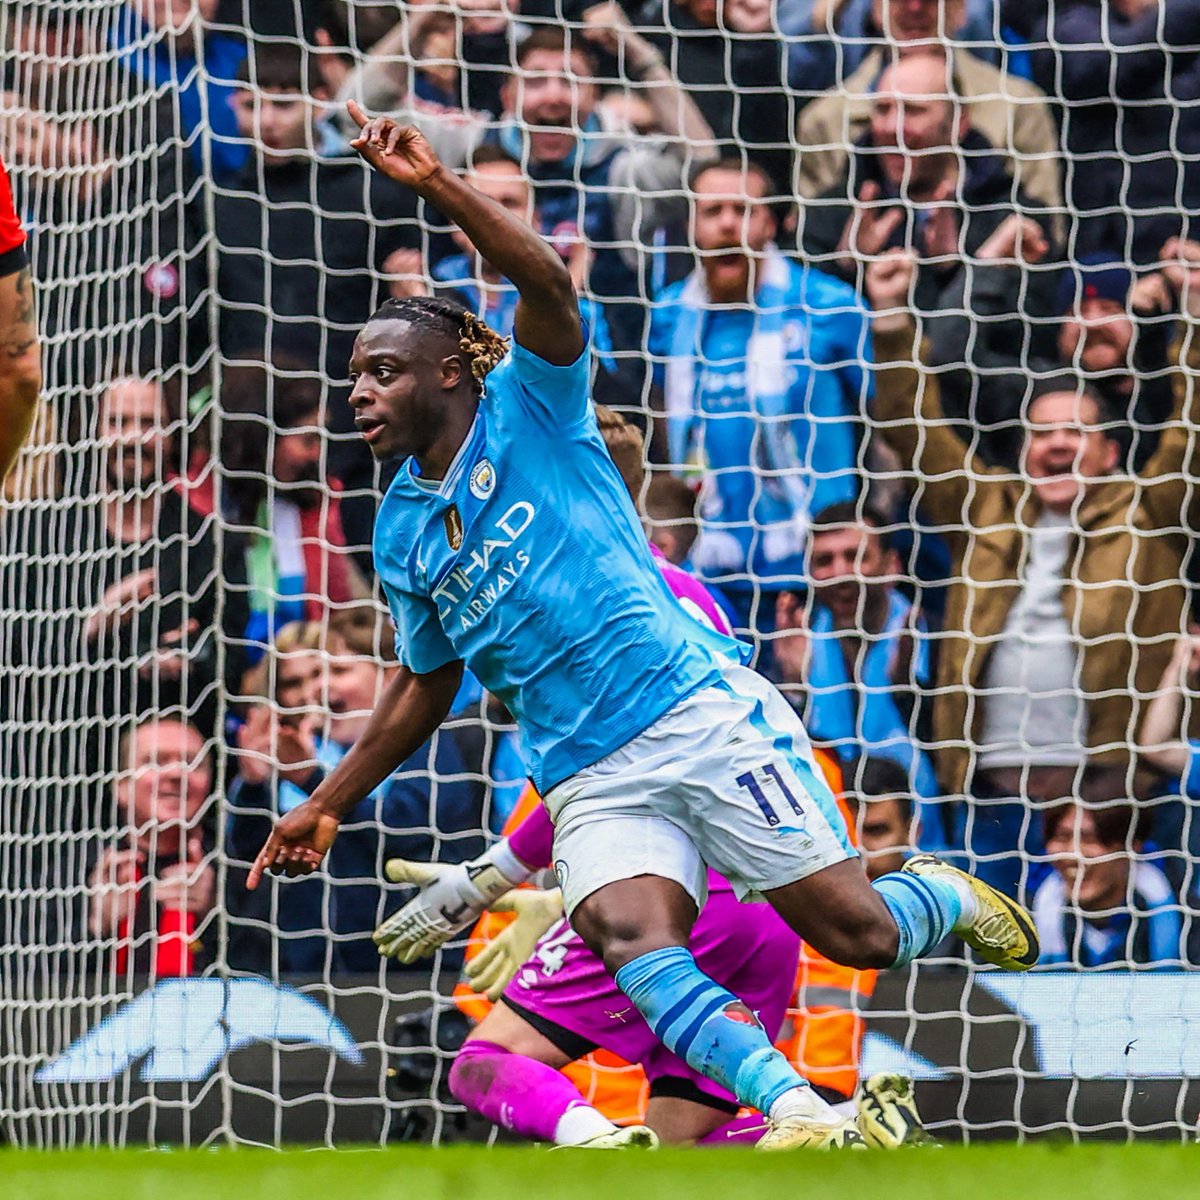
1124 537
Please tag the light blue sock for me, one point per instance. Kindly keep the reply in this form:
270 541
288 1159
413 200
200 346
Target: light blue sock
925 911
687 1013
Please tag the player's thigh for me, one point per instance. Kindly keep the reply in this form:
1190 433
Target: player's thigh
678 1121
505 1028
631 917
597 847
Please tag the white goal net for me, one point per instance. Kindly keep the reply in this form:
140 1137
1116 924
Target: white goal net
903 319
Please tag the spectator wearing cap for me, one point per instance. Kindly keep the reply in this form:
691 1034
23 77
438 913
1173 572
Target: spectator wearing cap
1067 579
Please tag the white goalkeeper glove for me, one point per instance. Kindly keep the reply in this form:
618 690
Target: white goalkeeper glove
451 898
493 968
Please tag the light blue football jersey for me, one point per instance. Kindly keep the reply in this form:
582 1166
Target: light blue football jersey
528 563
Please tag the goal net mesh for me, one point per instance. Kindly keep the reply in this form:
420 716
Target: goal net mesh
191 632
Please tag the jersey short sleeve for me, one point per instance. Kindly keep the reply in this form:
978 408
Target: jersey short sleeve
554 397
421 643
13 257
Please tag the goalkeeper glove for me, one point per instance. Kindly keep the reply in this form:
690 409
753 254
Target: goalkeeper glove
493 968
451 898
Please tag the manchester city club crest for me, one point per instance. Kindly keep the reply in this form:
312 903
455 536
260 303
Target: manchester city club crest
483 479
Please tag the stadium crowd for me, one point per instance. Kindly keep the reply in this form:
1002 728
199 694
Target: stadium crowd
899 296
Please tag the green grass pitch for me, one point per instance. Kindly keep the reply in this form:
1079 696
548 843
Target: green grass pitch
994 1172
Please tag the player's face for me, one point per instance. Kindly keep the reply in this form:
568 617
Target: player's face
551 95
166 785
133 428
844 565
883 835
353 686
402 386
505 184
1064 448
730 224
1096 874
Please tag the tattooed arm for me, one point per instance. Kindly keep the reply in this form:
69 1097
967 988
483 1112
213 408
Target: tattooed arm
20 365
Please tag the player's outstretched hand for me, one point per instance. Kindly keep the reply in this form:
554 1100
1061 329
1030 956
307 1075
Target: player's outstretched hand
399 151
493 968
297 844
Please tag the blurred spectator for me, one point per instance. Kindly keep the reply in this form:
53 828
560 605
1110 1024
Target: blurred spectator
1066 581
166 45
302 243
881 802
470 281
761 399
430 809
829 39
153 889
670 512
437 66
1104 905
296 563
116 228
733 64
862 656
1010 114
138 622
1112 327
589 183
926 179
1129 77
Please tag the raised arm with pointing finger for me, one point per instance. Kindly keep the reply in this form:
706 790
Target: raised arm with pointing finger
547 320
416 394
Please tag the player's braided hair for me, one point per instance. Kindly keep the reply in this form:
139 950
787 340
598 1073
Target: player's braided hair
481 345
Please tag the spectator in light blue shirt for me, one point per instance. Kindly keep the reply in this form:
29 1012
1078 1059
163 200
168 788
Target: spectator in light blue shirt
163 55
861 656
764 363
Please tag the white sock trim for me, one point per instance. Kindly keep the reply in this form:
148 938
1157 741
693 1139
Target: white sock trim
803 1102
580 1124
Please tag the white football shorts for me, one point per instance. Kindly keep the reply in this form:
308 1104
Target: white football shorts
726 779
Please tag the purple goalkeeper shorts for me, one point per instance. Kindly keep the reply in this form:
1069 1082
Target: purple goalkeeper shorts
564 992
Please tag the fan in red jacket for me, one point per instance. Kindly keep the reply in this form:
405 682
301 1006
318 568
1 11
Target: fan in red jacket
20 358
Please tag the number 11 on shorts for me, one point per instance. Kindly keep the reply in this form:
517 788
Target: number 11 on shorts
750 782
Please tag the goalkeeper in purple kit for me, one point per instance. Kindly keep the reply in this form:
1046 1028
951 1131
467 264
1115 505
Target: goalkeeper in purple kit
505 534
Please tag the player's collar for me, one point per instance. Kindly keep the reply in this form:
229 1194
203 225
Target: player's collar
445 487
